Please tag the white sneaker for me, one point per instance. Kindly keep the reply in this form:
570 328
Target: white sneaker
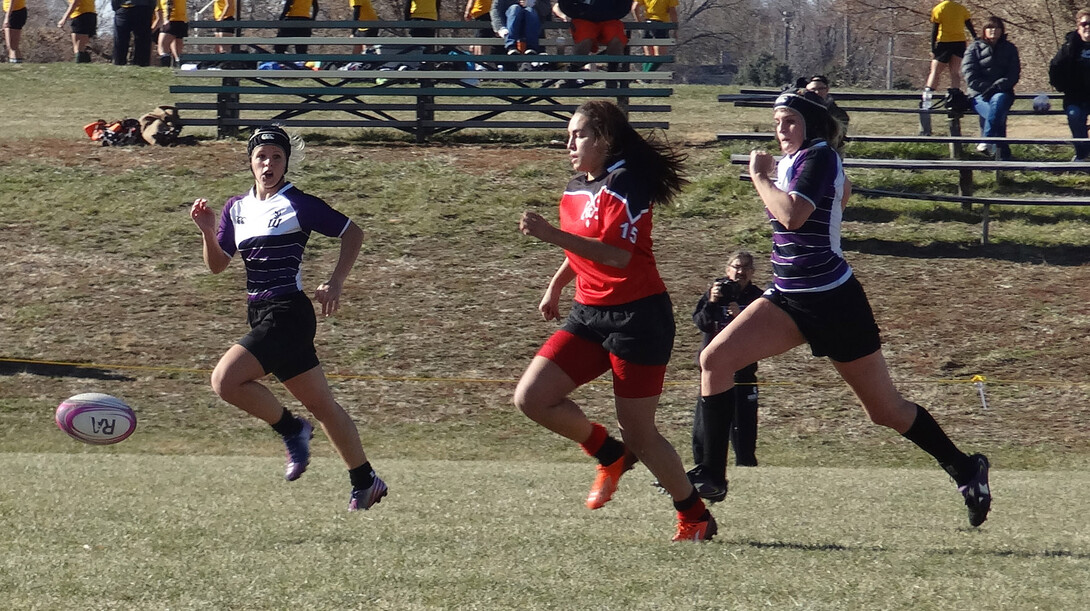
982 147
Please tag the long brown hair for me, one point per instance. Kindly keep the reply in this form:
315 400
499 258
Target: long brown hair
654 161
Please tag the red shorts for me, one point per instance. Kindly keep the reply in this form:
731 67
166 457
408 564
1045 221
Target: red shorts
601 32
584 360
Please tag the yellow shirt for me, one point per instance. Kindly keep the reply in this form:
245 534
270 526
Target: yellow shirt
14 5
300 8
220 10
479 7
173 13
423 9
657 10
367 12
951 18
82 7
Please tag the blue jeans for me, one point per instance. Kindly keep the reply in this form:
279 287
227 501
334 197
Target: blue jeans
993 117
522 24
1076 120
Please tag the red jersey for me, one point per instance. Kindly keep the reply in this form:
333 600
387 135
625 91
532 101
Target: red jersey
615 210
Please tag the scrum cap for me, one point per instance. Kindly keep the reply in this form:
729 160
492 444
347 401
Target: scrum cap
810 107
270 134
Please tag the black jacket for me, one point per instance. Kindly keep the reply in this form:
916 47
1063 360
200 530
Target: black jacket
991 68
1067 74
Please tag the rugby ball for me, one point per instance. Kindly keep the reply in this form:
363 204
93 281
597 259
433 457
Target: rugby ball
1041 103
96 418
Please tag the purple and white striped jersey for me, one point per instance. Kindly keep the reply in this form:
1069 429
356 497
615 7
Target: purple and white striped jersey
271 235
809 259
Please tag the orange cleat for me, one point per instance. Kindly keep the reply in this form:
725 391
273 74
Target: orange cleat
701 530
605 483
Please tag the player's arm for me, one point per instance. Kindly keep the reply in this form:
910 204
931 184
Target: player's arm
790 209
969 26
550 302
229 8
60 24
205 218
533 224
329 293
934 36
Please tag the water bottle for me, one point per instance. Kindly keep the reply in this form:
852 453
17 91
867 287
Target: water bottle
925 102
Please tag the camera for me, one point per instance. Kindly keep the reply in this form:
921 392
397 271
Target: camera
728 290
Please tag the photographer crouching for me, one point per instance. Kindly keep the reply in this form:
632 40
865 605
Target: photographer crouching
713 430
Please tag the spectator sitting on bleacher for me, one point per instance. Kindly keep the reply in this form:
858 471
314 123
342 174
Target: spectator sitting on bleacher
519 23
991 69
596 22
1069 73
296 10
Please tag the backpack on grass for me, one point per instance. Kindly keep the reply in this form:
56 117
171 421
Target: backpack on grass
161 126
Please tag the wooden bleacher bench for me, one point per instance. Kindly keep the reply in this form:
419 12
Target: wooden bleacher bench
958 162
420 99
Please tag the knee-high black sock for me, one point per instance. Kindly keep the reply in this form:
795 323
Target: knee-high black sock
698 432
718 412
929 436
744 432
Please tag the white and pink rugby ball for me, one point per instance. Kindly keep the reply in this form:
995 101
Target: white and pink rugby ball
96 418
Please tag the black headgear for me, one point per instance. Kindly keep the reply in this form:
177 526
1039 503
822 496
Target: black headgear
270 134
811 107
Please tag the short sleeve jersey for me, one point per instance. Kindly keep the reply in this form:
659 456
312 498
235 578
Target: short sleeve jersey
809 259
367 12
300 8
479 7
271 235
615 210
951 18
14 5
82 8
220 10
174 10
658 10
423 9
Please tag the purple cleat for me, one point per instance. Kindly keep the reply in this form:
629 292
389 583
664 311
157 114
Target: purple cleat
364 498
298 451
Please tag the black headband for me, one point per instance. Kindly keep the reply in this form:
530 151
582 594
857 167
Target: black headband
812 109
270 135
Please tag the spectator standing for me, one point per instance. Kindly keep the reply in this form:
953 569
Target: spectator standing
819 84
656 11
293 11
132 21
518 22
422 10
479 10
1069 73
363 11
173 28
991 70
817 300
949 21
621 320
225 11
14 19
84 18
714 430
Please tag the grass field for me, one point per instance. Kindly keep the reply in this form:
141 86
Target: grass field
100 268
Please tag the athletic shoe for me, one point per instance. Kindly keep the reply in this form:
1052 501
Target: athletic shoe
982 147
365 498
605 483
708 488
701 530
978 497
298 451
